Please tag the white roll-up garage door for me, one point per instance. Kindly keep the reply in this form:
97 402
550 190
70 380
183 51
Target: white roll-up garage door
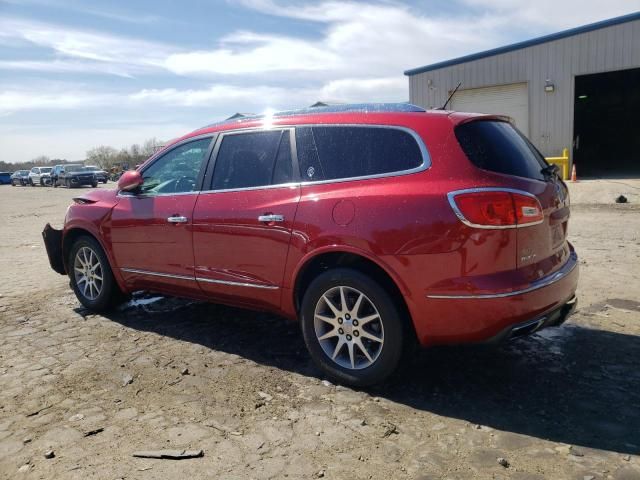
511 100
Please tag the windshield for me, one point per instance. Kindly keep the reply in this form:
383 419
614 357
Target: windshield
46 169
73 168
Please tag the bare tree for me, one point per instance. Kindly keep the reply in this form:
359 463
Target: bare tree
102 156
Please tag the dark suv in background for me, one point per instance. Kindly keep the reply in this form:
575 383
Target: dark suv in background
101 175
72 175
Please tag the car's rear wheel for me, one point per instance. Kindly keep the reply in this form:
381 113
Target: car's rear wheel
91 276
352 328
94 184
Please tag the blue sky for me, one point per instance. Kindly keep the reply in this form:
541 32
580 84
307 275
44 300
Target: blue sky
77 74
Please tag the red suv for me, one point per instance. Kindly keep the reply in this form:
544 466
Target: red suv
377 226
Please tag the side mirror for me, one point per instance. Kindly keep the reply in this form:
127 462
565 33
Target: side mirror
129 180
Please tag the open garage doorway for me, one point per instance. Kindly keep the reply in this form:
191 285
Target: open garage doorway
606 138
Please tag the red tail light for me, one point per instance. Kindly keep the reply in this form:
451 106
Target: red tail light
496 208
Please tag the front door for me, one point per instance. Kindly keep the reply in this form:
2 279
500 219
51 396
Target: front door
151 229
242 225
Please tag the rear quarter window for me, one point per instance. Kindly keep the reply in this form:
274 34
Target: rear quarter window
340 152
498 147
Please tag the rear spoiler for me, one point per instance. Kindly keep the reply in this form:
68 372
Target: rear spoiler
460 118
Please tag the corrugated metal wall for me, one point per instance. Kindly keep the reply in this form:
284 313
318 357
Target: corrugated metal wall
550 114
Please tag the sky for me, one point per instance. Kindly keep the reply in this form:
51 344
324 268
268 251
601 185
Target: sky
76 74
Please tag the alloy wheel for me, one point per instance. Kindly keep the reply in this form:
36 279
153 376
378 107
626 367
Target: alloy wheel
88 273
348 327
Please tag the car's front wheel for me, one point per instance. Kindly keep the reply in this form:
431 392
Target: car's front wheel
91 276
352 328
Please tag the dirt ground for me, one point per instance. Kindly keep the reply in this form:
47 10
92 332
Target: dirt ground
164 373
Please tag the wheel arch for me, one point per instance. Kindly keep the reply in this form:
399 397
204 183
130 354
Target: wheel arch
71 234
311 266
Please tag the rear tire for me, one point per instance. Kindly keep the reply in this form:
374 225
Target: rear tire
91 276
94 184
359 343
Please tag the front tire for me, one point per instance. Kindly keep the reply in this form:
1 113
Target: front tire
352 328
91 276
94 184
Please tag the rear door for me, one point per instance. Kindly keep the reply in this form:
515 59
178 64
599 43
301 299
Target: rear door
498 147
242 225
151 230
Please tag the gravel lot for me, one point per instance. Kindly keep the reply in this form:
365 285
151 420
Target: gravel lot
173 374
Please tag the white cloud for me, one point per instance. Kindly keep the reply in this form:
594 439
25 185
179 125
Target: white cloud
20 100
23 144
97 48
553 14
360 40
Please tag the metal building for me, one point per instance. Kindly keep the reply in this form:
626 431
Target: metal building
577 89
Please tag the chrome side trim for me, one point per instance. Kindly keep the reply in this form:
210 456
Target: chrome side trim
566 269
451 197
236 284
157 274
199 279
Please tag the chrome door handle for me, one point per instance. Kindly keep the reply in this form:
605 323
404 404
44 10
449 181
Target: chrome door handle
271 218
177 219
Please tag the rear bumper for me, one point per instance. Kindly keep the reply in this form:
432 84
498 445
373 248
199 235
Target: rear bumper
53 244
489 317
554 318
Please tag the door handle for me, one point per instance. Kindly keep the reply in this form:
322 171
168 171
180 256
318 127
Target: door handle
177 219
271 218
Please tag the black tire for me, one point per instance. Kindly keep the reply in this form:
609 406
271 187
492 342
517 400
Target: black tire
31 183
390 317
94 184
109 294
41 182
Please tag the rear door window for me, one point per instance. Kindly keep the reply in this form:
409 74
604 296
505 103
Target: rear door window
498 147
340 152
252 160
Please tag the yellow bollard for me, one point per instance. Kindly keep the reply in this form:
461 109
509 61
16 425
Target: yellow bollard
562 162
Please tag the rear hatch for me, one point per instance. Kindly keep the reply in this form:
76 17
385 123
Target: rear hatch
510 160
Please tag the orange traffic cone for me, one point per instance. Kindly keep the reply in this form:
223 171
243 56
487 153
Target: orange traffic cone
574 177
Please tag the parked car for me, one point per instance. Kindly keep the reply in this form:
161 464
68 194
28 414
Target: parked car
376 226
72 175
20 177
5 178
101 175
40 176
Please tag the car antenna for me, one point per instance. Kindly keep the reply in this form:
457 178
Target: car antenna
450 97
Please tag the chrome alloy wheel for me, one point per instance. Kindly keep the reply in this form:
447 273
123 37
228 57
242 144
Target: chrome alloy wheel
348 327
87 271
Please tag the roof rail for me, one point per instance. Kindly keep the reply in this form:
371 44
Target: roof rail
339 108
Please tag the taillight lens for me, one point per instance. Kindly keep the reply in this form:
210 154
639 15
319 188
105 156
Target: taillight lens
496 208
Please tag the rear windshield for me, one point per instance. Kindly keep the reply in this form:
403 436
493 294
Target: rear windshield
498 147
